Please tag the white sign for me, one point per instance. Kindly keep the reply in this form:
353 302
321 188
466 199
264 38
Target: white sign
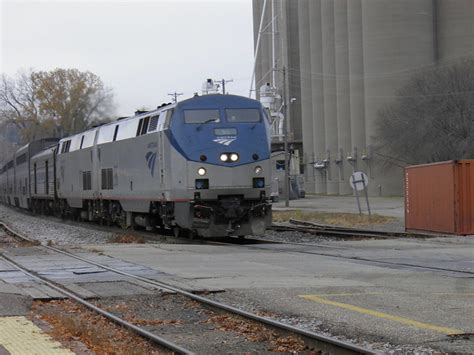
359 181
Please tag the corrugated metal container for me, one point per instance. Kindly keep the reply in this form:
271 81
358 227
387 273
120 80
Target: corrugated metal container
440 197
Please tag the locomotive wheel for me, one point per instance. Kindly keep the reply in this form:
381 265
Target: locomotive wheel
180 232
184 233
122 219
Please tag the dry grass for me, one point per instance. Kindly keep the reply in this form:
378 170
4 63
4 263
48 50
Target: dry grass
128 239
71 322
126 313
255 332
339 219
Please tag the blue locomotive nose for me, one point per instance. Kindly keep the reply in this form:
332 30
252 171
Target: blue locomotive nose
223 130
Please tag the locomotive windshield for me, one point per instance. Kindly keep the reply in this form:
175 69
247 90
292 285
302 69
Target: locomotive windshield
243 115
201 116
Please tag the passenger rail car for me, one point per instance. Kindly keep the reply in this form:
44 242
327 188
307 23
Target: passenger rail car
200 167
16 176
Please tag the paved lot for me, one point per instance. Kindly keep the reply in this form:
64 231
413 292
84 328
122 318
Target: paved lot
369 300
399 291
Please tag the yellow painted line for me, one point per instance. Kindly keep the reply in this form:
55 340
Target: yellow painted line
467 294
21 336
377 314
348 294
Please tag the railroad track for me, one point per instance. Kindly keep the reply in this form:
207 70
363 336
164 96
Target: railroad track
312 340
352 233
331 231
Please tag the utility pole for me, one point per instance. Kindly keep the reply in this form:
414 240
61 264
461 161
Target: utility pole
175 96
223 82
286 130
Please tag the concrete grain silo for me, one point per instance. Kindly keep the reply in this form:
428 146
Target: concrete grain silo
346 59
455 29
397 41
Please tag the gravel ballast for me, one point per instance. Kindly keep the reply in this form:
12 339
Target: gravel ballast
52 230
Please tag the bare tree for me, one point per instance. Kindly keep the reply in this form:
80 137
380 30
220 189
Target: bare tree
55 103
432 118
18 104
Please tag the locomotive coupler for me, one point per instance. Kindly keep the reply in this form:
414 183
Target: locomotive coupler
231 208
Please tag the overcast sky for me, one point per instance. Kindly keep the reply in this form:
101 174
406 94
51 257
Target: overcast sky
143 50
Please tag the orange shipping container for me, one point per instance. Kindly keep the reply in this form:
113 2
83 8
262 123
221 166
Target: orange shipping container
440 197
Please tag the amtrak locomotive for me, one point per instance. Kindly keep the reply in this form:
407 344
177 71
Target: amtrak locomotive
200 167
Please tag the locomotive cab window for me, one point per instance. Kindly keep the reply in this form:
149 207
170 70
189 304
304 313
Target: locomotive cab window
201 116
243 115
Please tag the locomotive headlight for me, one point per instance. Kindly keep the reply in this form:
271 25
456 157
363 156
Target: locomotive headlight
224 157
258 170
234 157
202 171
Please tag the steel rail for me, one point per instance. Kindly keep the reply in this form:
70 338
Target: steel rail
284 228
322 342
361 232
356 258
349 232
63 290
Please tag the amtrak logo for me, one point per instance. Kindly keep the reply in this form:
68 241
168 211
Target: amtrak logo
151 159
225 141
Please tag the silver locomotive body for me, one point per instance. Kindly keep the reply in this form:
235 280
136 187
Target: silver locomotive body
200 167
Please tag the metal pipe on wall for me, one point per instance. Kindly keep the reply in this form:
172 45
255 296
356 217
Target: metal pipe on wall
330 104
342 95
356 87
305 75
319 143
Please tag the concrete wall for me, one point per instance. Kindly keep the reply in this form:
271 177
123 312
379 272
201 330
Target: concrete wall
455 30
346 60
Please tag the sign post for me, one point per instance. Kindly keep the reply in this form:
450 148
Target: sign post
359 181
